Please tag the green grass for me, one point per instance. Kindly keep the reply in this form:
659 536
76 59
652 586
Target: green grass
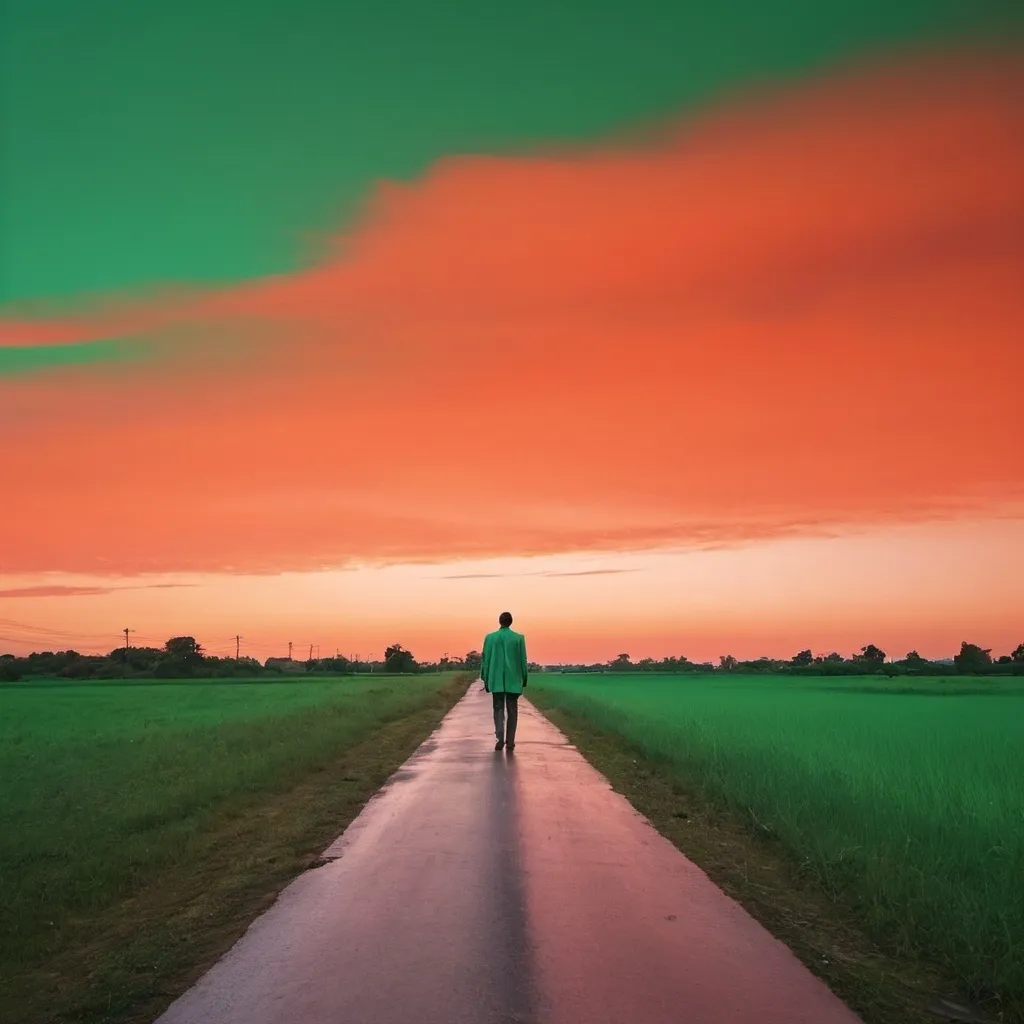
109 789
903 799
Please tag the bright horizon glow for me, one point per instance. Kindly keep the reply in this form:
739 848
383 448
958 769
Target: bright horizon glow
925 587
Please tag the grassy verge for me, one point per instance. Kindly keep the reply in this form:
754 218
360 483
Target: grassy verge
223 809
726 813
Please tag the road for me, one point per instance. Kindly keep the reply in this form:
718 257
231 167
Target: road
479 887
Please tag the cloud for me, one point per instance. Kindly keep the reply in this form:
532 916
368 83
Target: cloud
592 572
55 591
476 576
794 314
508 575
69 590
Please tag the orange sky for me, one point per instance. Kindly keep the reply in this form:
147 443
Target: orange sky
800 312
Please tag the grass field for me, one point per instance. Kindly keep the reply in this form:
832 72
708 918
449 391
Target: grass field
905 800
113 790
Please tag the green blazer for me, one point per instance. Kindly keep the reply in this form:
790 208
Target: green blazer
504 661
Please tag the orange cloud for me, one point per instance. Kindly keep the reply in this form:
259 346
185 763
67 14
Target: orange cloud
71 590
55 591
796 313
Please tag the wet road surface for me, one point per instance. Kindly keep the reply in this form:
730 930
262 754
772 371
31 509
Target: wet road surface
481 887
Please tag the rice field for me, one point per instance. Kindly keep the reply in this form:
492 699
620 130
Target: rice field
904 799
106 784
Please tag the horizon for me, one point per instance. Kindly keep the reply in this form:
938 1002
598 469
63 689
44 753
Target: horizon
374 658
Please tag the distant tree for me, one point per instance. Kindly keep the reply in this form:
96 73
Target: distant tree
620 663
1018 653
473 661
835 658
77 667
914 664
762 664
870 653
972 659
339 666
184 649
398 659
680 664
284 666
1004 659
143 659
726 662
181 656
803 658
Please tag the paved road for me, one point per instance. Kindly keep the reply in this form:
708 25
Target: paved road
478 888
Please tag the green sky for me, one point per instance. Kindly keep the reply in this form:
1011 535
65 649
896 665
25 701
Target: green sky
207 141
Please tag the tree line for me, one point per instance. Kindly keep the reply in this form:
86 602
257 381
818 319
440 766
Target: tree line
870 660
182 657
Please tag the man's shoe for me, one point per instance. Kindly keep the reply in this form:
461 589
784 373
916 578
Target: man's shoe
499 744
511 747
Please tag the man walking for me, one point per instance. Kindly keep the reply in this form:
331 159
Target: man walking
503 671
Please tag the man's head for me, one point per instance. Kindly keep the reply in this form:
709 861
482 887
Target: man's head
505 619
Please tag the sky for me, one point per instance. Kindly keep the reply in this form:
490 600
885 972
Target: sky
673 329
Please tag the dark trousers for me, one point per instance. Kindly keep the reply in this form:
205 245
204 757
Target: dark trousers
505 702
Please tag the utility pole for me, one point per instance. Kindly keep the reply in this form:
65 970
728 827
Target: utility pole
310 652
124 668
289 650
238 640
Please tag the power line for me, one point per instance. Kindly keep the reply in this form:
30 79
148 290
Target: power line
43 630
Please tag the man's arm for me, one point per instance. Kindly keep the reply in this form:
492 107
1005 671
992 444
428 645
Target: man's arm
485 659
522 655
